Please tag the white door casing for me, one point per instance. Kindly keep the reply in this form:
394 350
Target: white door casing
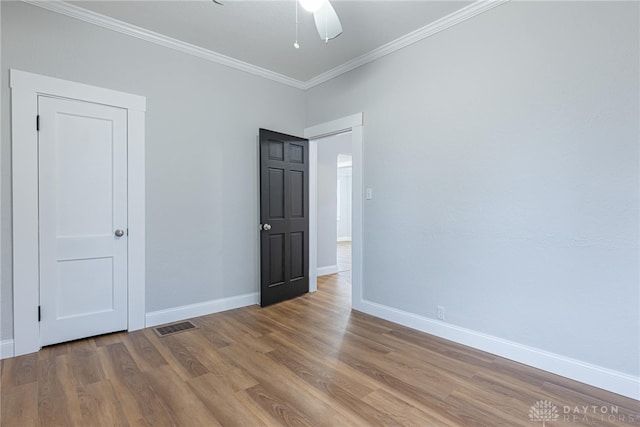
82 201
25 90
355 124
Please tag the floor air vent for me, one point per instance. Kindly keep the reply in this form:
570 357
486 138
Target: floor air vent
174 328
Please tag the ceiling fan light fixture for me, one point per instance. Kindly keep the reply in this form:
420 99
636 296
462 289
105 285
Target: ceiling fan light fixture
312 5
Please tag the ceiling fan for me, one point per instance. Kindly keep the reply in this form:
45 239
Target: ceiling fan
326 19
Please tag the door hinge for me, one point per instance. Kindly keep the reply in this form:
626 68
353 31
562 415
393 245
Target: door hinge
127 231
39 314
38 122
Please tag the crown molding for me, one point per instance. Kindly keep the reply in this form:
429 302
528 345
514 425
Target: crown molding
85 15
435 27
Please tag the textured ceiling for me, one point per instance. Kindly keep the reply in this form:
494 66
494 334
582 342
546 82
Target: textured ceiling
262 33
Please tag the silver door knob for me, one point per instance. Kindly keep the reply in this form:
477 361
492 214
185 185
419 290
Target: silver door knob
266 227
119 233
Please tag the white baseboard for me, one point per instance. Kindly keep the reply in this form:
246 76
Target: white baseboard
6 349
344 239
330 269
175 314
597 376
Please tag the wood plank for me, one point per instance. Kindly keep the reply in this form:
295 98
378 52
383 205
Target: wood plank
345 399
404 413
57 405
19 370
222 402
20 405
108 339
325 367
279 409
183 354
143 351
122 392
179 399
282 384
179 362
128 378
227 375
99 406
209 329
84 362
52 351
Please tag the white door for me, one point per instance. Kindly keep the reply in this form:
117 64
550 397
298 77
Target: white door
83 219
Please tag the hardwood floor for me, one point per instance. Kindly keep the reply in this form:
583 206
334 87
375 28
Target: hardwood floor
309 361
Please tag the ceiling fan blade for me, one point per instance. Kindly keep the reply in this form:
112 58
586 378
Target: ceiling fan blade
327 22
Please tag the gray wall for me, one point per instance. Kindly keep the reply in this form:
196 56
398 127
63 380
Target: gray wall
328 150
201 152
503 154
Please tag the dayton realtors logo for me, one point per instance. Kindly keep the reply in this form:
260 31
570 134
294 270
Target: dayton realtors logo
595 413
544 411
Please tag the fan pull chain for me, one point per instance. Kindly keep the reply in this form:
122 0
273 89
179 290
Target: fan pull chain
295 44
326 27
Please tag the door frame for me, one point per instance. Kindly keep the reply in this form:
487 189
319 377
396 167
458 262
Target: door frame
354 124
25 89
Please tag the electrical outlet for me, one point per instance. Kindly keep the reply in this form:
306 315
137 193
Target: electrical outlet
440 312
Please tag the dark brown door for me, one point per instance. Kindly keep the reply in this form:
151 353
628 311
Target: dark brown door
284 216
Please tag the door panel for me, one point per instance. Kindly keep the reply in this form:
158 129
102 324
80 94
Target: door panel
82 201
297 256
297 153
276 150
284 206
296 178
73 275
276 193
83 205
276 260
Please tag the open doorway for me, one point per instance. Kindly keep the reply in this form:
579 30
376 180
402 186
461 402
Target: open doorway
334 202
317 135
